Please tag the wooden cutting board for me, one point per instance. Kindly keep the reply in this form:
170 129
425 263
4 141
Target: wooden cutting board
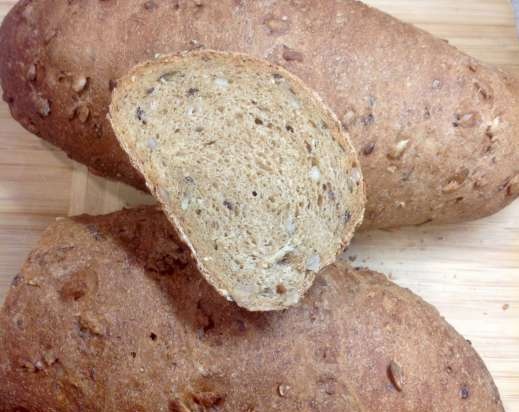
469 271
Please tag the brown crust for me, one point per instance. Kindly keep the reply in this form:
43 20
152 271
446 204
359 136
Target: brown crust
125 86
420 112
109 314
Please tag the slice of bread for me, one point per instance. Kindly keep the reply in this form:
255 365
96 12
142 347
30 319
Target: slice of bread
250 166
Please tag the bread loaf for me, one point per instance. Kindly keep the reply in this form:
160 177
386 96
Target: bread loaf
436 130
250 166
110 314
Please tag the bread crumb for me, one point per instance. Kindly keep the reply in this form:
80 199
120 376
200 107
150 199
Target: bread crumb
151 143
294 103
356 175
163 194
221 82
185 203
313 263
291 226
314 174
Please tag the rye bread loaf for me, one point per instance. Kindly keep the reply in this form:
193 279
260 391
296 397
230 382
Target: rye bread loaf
436 129
74 336
250 166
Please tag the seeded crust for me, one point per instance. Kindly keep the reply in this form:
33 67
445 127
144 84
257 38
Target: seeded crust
74 336
436 129
251 168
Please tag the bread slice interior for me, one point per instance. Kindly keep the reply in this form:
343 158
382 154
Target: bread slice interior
250 166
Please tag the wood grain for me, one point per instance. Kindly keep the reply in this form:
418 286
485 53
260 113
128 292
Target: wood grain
469 271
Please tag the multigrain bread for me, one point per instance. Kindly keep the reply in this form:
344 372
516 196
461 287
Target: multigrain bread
110 314
251 168
436 129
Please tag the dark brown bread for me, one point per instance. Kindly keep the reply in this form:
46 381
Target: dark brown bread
108 314
436 130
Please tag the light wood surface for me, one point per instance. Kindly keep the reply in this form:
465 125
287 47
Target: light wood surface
469 271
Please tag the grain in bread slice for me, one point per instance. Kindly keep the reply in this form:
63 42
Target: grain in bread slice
250 166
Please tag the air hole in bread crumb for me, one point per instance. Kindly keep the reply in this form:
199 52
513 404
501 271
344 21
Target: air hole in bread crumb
166 77
289 128
153 336
257 120
133 354
254 193
139 113
228 204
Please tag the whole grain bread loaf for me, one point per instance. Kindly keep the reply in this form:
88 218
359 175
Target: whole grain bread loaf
250 166
436 130
110 314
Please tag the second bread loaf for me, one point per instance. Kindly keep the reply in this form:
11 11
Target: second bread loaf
109 314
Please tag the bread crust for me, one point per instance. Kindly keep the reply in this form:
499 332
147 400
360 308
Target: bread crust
436 130
110 314
227 287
